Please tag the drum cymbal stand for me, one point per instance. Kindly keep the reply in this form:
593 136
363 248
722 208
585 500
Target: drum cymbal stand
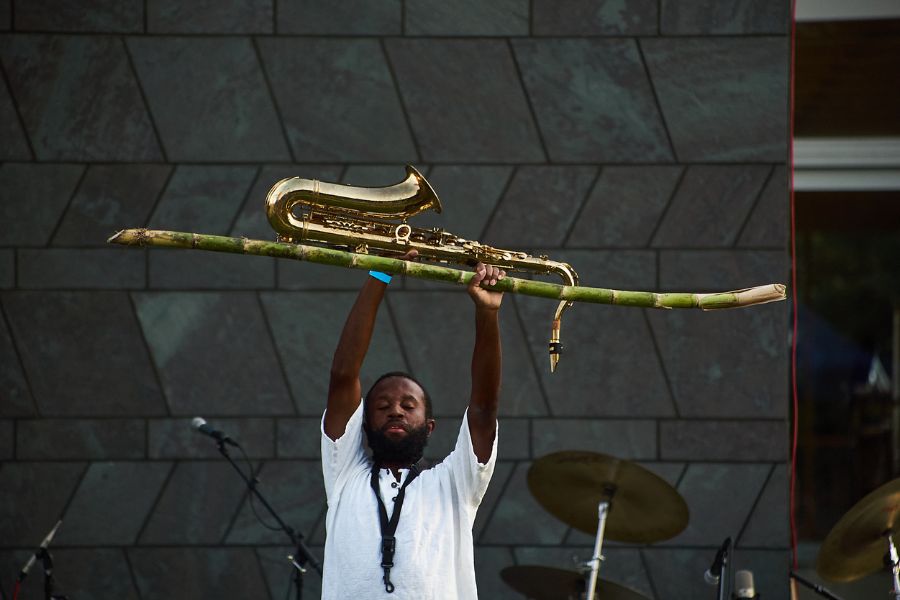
893 560
603 508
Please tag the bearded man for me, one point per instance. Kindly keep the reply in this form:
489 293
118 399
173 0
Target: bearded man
395 529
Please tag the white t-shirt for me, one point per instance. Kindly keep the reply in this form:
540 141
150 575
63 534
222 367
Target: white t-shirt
434 558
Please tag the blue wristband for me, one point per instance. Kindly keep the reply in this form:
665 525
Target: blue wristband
380 276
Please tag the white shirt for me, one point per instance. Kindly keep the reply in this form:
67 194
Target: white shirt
434 559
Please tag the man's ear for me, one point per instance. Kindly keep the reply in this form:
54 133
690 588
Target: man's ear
430 424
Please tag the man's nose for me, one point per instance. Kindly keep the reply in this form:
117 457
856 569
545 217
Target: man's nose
395 411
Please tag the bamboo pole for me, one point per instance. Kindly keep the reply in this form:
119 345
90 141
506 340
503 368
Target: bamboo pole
178 239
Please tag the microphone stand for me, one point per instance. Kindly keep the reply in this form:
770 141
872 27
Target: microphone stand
49 582
303 555
726 559
815 587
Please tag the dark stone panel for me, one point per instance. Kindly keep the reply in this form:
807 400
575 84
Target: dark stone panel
502 472
112 503
214 353
351 17
92 268
726 363
49 439
197 504
79 573
719 498
191 573
299 438
710 206
209 99
107 16
15 396
175 438
622 565
704 17
7 269
631 439
110 198
491 123
608 367
295 490
593 17
516 439
251 221
300 275
624 206
593 100
83 354
354 113
32 199
5 14
723 440
617 269
7 439
78 98
519 519
768 225
450 332
15 144
466 17
44 488
307 326
279 573
768 526
488 564
203 198
539 206
180 270
722 99
721 270
210 16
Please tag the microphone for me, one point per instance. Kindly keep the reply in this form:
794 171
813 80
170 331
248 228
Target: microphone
41 549
743 585
199 423
714 572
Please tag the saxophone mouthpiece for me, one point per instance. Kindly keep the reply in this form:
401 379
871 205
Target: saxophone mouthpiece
555 346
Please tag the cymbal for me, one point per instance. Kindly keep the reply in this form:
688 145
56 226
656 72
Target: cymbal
644 507
547 583
856 546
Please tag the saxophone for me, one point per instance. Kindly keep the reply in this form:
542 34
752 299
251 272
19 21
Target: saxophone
367 219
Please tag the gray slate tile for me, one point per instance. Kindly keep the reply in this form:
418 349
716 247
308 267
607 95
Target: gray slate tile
770 576
78 98
726 364
181 270
175 438
210 16
705 17
629 439
107 16
203 199
197 504
85 439
15 144
723 440
710 206
112 502
299 438
295 490
209 99
489 562
7 439
213 353
5 14
768 224
15 395
191 573
279 573
768 526
625 206
622 565
354 114
110 198
518 518
539 206
43 487
593 100
32 200
83 354
516 439
466 17
442 324
351 17
722 99
307 326
80 573
91 268
492 123
594 17
721 270
7 269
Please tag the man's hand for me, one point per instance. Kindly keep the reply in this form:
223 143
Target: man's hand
486 298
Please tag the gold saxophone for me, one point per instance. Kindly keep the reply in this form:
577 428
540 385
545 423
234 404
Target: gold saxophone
366 218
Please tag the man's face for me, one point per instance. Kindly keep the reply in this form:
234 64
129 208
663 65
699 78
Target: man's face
397 406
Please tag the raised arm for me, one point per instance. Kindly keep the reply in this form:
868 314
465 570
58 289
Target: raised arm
486 361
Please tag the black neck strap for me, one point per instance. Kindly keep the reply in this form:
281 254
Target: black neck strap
389 527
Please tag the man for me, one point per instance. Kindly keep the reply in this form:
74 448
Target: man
429 555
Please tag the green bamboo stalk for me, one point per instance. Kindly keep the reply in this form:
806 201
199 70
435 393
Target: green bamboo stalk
327 256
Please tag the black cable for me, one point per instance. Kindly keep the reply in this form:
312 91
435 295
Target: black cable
253 481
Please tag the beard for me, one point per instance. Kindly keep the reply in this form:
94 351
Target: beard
405 451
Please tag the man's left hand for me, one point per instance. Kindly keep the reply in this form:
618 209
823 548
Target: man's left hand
486 298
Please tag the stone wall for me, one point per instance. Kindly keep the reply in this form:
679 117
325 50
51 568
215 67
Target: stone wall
642 141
